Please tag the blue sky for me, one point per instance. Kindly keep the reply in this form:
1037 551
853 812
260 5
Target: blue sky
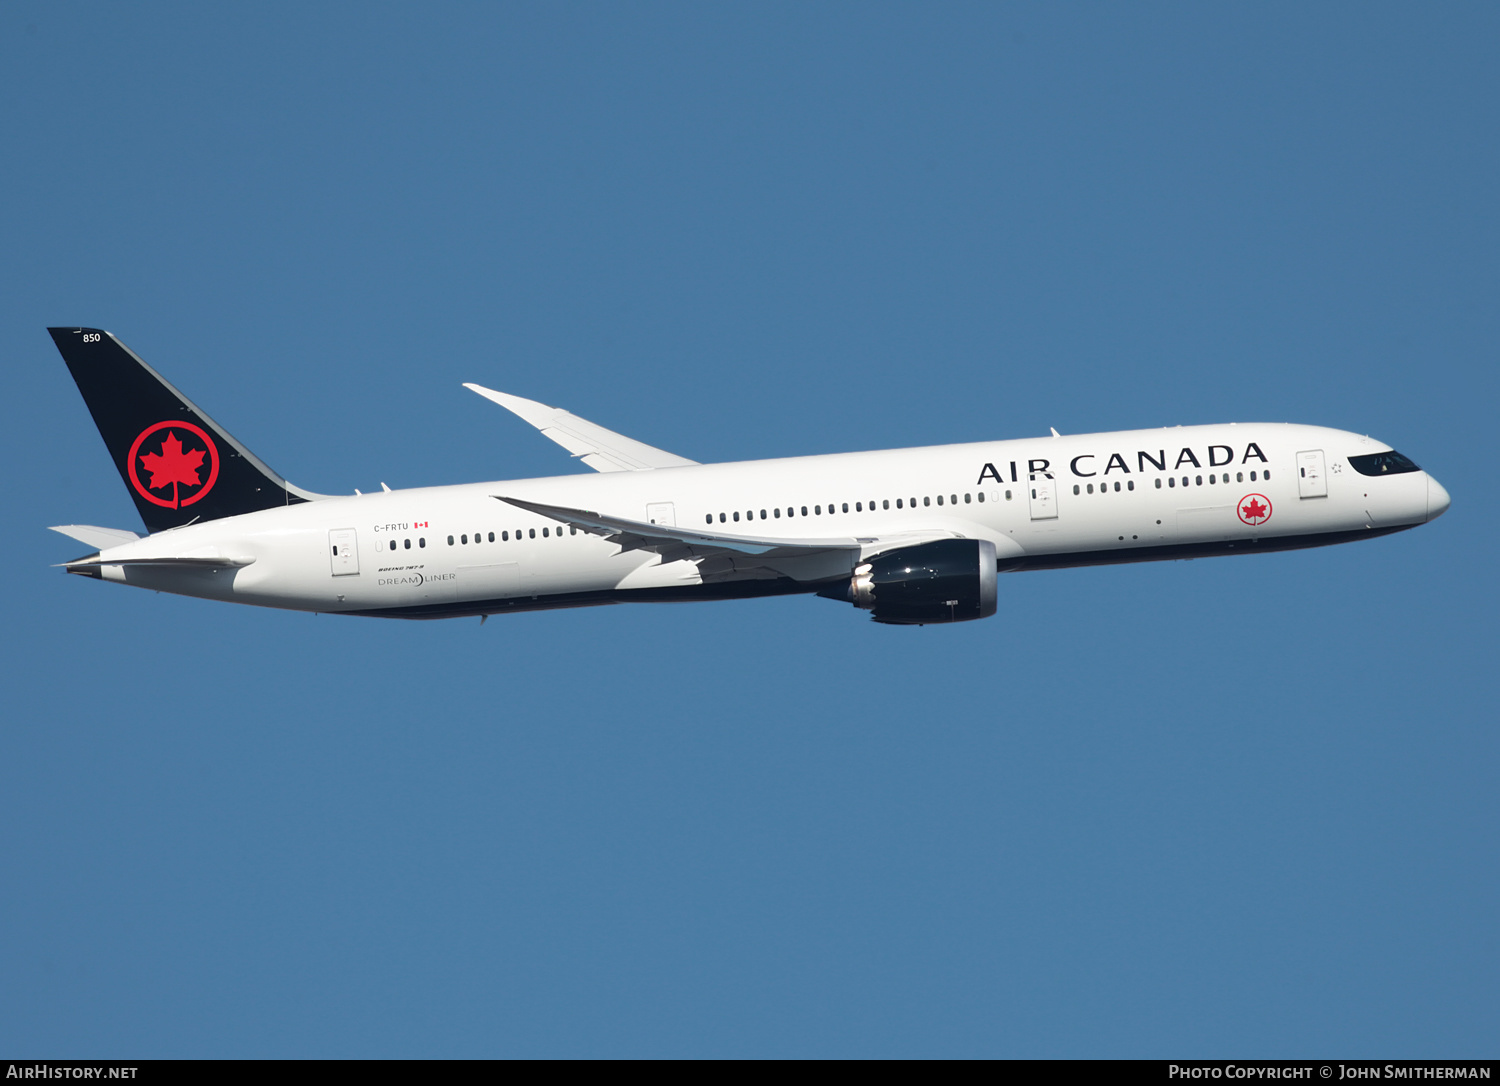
1228 807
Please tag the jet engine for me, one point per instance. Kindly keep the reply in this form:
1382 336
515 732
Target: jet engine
951 580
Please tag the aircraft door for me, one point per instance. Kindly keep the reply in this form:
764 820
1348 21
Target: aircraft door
661 513
343 552
1043 496
1311 480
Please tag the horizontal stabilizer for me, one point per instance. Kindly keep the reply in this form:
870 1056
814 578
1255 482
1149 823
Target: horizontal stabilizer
181 562
100 538
600 449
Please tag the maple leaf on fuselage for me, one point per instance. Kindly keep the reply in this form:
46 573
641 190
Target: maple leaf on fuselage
1255 510
172 465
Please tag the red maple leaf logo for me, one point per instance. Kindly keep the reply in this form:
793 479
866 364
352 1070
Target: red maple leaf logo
1254 511
173 466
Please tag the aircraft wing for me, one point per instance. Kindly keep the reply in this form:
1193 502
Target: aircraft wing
721 555
600 449
636 535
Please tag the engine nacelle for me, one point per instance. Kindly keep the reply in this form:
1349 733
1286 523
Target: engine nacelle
951 580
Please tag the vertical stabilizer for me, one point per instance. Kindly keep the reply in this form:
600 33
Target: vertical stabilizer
178 464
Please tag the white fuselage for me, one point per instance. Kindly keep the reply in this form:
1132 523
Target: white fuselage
1043 502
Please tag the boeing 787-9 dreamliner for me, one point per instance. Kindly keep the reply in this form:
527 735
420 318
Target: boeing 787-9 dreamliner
914 536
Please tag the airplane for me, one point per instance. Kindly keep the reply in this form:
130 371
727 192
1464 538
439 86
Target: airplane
913 536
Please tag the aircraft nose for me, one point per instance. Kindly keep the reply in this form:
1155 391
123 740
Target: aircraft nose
1437 499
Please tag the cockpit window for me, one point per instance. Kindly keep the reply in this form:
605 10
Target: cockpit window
1386 463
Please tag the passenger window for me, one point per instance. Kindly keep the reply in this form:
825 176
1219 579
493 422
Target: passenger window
721 518
1239 476
981 495
531 533
492 537
736 516
817 510
709 519
505 537
450 541
804 510
898 503
1158 482
846 507
422 541
762 514
406 543
885 503
1200 480
1184 480
1128 486
967 499
952 499
926 502
1252 476
1007 495
1076 490
393 544
1091 488
572 530
1265 475
1172 481
940 499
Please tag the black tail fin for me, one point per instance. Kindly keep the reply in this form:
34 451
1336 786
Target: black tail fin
177 463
